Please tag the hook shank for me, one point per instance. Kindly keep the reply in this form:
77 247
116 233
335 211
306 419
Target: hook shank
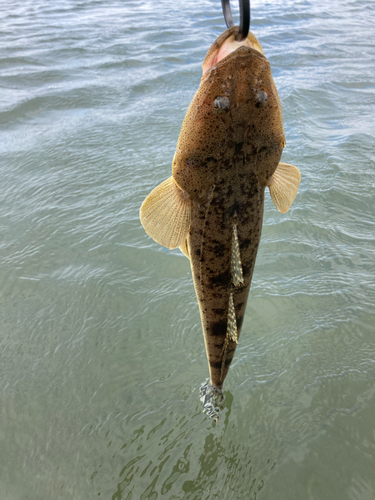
244 17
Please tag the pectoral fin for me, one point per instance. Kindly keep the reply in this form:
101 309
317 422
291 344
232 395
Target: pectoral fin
166 214
283 186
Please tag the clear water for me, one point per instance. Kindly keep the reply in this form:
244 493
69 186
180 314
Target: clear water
101 347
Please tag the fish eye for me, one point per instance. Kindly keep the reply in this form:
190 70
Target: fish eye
221 103
261 97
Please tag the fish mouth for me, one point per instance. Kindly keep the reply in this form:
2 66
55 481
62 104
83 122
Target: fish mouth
226 46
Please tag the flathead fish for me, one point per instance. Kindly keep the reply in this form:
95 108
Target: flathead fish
228 152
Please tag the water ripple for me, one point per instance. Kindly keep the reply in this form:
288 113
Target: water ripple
101 344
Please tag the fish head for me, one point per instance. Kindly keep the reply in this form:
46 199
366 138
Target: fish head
235 111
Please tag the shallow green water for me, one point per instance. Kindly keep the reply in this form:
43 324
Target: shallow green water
102 353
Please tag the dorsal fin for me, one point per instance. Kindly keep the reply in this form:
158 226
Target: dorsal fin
236 265
232 333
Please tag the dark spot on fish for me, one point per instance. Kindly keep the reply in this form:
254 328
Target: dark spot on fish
218 345
239 306
245 243
230 352
238 147
227 362
223 226
208 160
218 329
223 279
216 364
213 242
239 322
219 250
246 270
219 311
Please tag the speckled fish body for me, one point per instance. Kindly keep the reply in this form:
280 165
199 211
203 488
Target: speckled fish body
223 161
228 151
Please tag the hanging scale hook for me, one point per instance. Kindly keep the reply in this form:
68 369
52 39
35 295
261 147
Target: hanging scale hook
244 17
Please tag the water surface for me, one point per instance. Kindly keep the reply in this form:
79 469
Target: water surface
102 353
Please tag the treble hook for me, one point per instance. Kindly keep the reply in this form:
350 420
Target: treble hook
244 17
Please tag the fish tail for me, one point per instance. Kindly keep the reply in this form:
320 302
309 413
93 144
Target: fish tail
212 399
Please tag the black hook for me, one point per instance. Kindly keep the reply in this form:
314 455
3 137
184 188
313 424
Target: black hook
244 17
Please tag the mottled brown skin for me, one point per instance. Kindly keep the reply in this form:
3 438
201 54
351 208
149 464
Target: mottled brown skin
223 161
